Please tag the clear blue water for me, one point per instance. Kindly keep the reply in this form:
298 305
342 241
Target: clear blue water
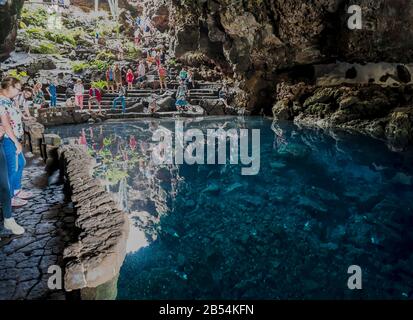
321 202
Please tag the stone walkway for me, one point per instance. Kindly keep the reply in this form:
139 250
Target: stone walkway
24 260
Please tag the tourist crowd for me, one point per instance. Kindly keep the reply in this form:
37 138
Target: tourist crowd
13 109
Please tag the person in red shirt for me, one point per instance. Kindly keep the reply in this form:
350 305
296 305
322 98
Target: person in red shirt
95 96
129 79
162 77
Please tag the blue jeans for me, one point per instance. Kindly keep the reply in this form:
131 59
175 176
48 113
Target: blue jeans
15 165
53 100
115 102
5 199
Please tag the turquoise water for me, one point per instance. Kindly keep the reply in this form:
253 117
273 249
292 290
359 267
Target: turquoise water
322 201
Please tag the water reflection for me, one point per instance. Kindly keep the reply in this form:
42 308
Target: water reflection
324 200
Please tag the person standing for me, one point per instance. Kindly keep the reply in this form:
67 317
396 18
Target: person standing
150 59
110 79
79 90
5 198
137 37
38 96
162 78
190 81
11 122
163 57
22 102
95 96
183 75
223 95
96 37
182 91
121 97
129 79
52 92
138 21
141 73
117 74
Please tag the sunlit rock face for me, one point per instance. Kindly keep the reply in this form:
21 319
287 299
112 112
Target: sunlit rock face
8 25
259 38
158 10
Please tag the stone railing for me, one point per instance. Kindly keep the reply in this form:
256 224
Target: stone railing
92 263
64 115
95 259
40 143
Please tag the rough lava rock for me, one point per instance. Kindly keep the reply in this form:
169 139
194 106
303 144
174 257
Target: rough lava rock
258 39
8 21
98 254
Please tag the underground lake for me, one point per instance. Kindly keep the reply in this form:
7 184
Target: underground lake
321 202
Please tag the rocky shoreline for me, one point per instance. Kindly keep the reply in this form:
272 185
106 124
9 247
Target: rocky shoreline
382 112
97 256
81 226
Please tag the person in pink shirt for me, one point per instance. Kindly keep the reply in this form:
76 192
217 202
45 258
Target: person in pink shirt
129 79
79 90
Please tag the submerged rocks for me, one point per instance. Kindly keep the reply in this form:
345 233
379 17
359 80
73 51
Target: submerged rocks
294 151
311 204
212 188
399 129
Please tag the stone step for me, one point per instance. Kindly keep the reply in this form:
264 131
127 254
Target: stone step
110 97
132 115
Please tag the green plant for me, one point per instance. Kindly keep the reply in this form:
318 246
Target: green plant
105 56
45 48
79 66
60 38
101 84
76 33
99 65
22 25
18 75
36 32
132 52
36 18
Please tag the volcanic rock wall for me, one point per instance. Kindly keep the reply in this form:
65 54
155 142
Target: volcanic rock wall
8 25
261 38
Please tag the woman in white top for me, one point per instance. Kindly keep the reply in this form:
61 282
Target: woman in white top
79 90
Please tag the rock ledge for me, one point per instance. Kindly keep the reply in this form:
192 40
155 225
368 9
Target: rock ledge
100 249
